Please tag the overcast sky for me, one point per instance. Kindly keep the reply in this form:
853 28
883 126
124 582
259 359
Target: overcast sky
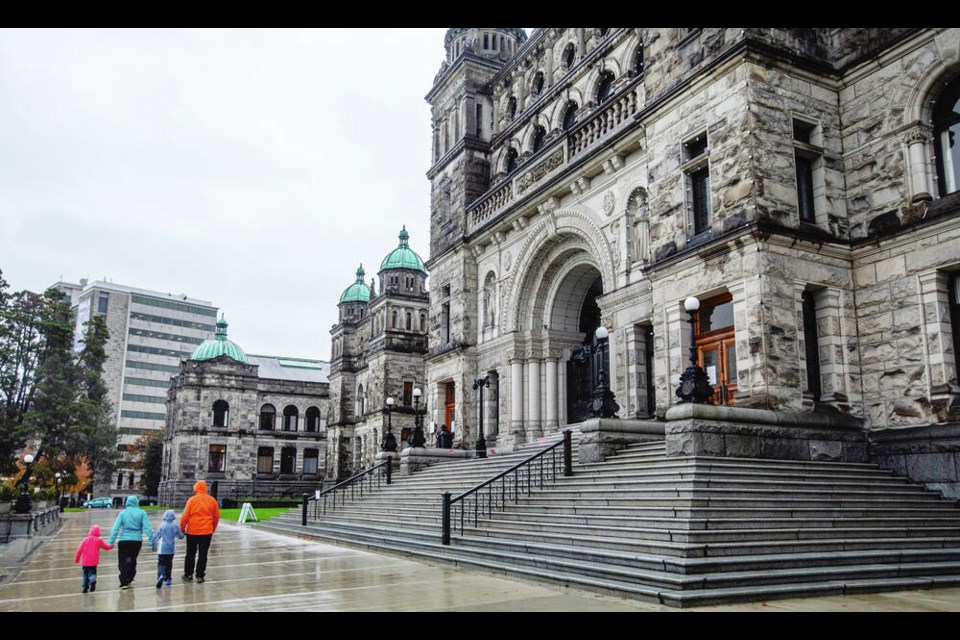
254 169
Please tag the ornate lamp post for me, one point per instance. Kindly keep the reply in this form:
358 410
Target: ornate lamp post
478 385
389 442
58 476
604 405
417 439
24 502
694 385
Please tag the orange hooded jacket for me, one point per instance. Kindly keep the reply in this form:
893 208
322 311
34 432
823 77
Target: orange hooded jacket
201 514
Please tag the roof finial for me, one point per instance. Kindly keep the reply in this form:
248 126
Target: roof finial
404 236
360 273
221 331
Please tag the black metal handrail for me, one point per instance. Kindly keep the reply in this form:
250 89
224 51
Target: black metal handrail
497 501
329 497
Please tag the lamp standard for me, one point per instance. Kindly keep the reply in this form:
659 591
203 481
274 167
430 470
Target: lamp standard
417 439
694 385
58 476
604 404
24 502
481 448
389 441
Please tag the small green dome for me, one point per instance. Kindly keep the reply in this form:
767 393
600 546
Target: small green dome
359 291
219 346
403 257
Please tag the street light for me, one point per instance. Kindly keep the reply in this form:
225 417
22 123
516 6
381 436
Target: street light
417 439
694 385
24 503
389 442
604 403
478 385
58 476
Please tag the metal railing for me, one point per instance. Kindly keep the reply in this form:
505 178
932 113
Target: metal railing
354 486
520 479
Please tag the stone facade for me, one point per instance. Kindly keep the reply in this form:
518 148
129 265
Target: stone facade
791 172
195 431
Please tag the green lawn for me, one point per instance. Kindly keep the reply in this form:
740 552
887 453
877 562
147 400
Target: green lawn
232 515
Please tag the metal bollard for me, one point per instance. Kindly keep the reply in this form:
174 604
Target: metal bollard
445 517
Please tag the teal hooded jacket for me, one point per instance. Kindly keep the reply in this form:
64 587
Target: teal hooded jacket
132 524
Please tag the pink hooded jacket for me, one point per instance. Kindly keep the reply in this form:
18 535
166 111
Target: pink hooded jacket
89 549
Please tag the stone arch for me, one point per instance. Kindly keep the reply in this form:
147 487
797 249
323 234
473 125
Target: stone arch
504 154
593 80
541 120
919 103
559 108
551 231
627 54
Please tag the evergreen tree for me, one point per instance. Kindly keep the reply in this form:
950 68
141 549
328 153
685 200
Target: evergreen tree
153 464
95 409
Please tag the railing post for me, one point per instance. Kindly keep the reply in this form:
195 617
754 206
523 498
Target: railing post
567 453
303 516
445 517
389 469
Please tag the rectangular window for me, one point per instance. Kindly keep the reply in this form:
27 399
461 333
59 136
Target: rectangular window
265 460
955 315
407 394
288 460
479 120
102 303
809 168
446 322
697 177
176 306
805 188
811 343
311 461
217 460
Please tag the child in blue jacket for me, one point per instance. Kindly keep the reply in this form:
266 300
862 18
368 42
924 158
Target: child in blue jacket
166 537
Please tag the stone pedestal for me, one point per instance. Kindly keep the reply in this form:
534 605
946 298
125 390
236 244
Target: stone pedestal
413 458
394 455
700 429
602 437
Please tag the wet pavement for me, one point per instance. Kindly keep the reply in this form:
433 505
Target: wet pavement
253 570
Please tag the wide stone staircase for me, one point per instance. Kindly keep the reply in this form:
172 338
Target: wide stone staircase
682 531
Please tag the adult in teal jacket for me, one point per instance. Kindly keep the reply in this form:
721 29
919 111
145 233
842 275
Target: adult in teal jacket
132 525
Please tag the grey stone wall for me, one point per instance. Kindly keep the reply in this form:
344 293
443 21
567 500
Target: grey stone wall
929 455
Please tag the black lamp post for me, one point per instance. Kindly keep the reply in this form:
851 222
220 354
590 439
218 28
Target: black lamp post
604 404
59 476
24 503
389 441
478 385
694 385
417 439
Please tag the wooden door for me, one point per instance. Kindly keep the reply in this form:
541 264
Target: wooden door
450 405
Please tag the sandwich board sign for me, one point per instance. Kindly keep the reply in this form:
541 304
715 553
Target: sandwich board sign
246 511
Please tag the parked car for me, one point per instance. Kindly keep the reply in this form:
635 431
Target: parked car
147 501
99 503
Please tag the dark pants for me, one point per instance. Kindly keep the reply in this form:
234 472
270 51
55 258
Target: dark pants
127 552
89 577
164 565
195 544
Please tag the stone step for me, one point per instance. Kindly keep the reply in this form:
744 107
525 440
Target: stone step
687 469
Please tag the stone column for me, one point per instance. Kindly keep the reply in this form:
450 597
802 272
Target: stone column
832 367
534 428
552 381
516 395
941 361
917 140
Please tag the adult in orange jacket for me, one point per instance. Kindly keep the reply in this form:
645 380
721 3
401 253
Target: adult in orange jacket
199 520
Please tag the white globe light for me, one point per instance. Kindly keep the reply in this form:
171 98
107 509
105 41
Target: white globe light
416 392
691 304
390 401
28 459
602 333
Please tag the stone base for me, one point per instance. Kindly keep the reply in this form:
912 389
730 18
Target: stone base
602 437
383 455
698 429
42 522
927 454
413 458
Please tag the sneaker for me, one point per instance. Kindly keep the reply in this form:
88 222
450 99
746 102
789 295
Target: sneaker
93 587
84 589
168 582
186 578
125 587
159 582
199 579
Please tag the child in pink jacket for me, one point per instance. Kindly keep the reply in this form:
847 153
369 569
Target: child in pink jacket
88 554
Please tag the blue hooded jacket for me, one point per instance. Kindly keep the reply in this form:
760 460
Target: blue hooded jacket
132 524
167 534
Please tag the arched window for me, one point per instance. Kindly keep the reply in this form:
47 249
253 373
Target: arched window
221 413
313 420
511 160
536 88
290 416
423 322
409 321
605 86
393 319
268 415
946 124
512 107
570 115
539 138
569 56
638 59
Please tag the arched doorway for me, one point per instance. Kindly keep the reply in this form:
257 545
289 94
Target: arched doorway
583 368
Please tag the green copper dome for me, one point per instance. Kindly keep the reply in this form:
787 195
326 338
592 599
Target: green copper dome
219 346
359 291
403 257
